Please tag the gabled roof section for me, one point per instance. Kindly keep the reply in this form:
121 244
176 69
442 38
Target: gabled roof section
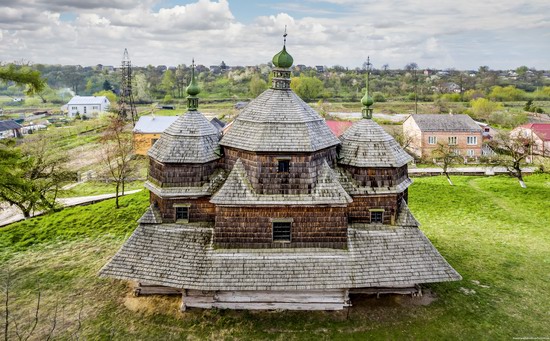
190 139
366 144
237 190
444 122
151 216
182 256
8 125
84 100
541 129
154 124
279 121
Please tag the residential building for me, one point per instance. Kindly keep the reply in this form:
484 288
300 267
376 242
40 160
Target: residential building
148 130
539 133
9 128
426 131
277 213
87 105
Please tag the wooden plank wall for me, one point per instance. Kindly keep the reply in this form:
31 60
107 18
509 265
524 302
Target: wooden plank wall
200 210
252 226
262 169
184 175
335 299
377 177
359 210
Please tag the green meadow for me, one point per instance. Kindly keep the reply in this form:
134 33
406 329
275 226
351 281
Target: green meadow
493 232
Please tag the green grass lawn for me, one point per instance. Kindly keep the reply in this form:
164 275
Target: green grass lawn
494 233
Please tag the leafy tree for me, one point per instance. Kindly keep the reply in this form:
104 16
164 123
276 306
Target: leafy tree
483 108
180 80
22 76
168 82
142 88
445 155
30 176
257 86
307 88
509 93
107 85
109 94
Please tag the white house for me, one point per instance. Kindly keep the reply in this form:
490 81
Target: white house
87 105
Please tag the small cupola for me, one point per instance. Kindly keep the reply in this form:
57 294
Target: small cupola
282 62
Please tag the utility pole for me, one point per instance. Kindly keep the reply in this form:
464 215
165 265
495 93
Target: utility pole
126 106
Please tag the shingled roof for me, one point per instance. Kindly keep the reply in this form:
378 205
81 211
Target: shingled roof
237 190
366 144
8 125
184 257
190 139
443 122
279 121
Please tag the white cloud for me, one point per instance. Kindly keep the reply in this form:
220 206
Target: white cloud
433 33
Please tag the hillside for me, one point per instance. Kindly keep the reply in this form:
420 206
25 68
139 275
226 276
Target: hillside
492 231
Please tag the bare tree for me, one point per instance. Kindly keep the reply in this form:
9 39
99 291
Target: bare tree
402 138
445 155
511 153
117 154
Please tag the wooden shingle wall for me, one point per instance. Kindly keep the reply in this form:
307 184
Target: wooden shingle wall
359 210
184 175
251 227
201 210
262 169
377 177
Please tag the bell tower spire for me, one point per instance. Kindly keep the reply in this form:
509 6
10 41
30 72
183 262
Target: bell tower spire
193 90
367 101
282 61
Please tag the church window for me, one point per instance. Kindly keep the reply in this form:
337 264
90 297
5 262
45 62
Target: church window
377 216
284 166
182 212
281 231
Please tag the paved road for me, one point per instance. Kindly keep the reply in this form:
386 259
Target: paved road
12 214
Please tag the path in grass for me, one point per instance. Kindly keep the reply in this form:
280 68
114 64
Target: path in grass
501 253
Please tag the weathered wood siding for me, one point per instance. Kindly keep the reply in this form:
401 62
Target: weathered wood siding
377 177
262 169
184 175
251 227
334 299
359 210
200 210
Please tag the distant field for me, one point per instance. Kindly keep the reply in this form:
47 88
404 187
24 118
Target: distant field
489 229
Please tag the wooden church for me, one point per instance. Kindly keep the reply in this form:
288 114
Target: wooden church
277 213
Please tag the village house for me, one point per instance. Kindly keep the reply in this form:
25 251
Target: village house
148 130
538 133
9 128
426 131
277 212
87 105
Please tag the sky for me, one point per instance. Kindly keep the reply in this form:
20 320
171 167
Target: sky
441 34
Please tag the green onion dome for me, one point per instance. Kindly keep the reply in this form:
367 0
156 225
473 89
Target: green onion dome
193 88
367 100
283 59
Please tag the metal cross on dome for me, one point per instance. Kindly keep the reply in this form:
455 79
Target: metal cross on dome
284 37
